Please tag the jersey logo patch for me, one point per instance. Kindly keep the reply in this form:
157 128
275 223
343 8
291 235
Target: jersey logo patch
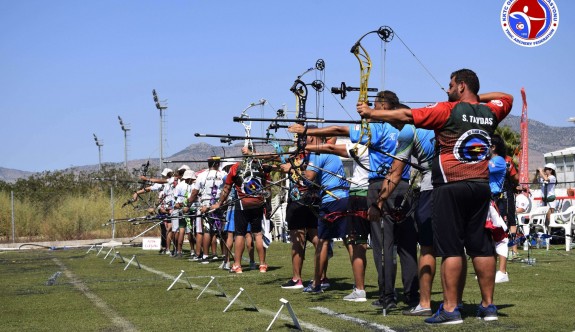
472 147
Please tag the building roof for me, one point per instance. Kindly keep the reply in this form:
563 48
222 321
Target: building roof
564 152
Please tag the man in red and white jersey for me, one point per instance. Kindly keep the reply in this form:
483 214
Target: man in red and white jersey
460 175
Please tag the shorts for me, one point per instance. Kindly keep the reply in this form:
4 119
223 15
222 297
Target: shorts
336 229
180 224
230 225
358 228
245 218
423 218
506 208
459 214
300 216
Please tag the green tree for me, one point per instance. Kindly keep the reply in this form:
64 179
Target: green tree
512 140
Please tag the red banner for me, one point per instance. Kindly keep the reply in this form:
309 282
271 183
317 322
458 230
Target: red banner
524 157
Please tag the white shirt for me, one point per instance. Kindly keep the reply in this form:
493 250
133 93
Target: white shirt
360 175
182 192
209 183
523 202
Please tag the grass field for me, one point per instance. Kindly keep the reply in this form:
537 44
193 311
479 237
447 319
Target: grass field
97 294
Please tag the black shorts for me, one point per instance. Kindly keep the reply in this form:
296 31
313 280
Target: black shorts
506 208
300 216
423 218
459 214
252 217
358 227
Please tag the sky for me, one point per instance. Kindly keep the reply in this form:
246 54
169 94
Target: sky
69 68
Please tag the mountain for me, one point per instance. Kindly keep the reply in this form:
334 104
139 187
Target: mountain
11 175
542 139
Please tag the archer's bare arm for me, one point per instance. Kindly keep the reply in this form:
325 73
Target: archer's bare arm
322 132
395 117
390 182
337 149
489 96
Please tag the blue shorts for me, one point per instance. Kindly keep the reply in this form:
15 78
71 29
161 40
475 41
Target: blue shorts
230 226
423 218
337 229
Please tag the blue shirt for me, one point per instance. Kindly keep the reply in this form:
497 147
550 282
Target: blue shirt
497 169
419 143
383 138
336 185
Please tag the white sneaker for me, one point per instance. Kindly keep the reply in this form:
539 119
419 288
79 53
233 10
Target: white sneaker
501 277
357 295
225 266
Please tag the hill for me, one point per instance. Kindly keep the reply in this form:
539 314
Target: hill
542 139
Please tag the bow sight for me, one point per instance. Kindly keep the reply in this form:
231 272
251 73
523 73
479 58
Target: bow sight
344 89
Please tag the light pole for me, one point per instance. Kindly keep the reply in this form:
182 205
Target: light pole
125 129
161 108
100 144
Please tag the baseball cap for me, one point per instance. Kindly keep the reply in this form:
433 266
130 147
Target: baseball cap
551 166
189 174
166 171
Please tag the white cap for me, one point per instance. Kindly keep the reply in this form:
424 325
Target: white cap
166 171
189 174
186 167
551 166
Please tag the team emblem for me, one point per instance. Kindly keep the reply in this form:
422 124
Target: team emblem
472 147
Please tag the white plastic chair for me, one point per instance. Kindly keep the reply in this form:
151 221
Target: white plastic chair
536 219
563 219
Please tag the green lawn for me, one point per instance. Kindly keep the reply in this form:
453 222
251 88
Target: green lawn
94 295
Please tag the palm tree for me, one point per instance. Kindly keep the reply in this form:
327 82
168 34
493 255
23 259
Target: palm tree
512 141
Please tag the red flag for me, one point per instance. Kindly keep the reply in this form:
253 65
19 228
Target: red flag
524 157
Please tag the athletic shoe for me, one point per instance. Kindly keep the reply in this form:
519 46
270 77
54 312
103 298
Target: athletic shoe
358 295
253 266
325 283
215 257
293 284
418 311
194 258
501 277
236 269
313 290
263 268
390 304
377 303
488 313
205 260
162 251
443 317
225 266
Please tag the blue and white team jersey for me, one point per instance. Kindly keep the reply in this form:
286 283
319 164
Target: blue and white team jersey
419 143
383 138
336 185
497 169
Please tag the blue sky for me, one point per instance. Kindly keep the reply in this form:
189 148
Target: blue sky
70 68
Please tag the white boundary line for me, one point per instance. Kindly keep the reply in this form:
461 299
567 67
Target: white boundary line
305 325
118 321
361 322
